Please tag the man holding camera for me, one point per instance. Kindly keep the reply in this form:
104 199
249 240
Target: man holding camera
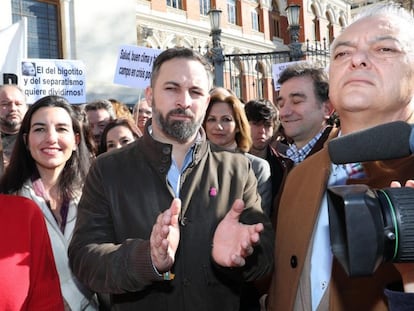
371 83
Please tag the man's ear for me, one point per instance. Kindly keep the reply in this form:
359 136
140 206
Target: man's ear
148 95
328 109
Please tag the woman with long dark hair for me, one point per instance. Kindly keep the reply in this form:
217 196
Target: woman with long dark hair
48 165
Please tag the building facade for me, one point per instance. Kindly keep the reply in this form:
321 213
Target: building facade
254 35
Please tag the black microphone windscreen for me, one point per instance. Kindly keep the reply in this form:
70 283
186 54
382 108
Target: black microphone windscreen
382 142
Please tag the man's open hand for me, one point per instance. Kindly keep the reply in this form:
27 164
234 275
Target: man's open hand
165 237
234 241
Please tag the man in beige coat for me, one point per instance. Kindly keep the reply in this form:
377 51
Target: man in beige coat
371 83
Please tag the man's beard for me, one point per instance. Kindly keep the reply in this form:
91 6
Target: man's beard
9 125
179 130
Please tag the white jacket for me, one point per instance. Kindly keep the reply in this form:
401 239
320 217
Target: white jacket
77 296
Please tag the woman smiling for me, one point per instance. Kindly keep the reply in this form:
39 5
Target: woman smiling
48 165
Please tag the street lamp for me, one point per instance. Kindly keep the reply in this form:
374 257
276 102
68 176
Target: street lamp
293 11
216 51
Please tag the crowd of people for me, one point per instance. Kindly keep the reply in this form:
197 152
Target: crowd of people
196 199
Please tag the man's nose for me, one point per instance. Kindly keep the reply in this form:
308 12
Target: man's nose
184 100
360 59
13 106
285 110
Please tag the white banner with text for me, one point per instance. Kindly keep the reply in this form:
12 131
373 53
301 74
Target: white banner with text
62 77
134 66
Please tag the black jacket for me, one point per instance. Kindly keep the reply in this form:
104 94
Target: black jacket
124 193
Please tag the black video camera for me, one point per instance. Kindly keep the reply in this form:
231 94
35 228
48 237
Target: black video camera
368 226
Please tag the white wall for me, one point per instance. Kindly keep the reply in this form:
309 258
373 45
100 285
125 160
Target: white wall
96 29
5 13
92 31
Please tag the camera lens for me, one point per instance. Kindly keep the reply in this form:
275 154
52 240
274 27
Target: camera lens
398 205
369 226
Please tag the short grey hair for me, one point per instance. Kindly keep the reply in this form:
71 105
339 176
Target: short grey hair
404 20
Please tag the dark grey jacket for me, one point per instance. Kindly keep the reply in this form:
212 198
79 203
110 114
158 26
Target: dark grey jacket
123 194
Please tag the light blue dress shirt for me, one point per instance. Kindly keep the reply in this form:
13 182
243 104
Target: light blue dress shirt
174 173
321 259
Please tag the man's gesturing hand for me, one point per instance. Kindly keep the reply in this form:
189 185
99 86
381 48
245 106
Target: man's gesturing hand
165 237
234 241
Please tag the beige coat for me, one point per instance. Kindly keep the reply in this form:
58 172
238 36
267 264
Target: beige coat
298 212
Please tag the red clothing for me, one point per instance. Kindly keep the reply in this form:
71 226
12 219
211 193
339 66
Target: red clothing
28 276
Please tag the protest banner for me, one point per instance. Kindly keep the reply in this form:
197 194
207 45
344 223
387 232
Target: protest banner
134 66
277 70
62 77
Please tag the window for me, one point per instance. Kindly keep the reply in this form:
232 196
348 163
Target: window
275 20
204 7
276 28
175 4
342 22
316 27
42 24
236 77
237 82
260 86
259 79
231 11
330 29
255 20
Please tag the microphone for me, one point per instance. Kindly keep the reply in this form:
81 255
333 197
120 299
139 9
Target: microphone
382 142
